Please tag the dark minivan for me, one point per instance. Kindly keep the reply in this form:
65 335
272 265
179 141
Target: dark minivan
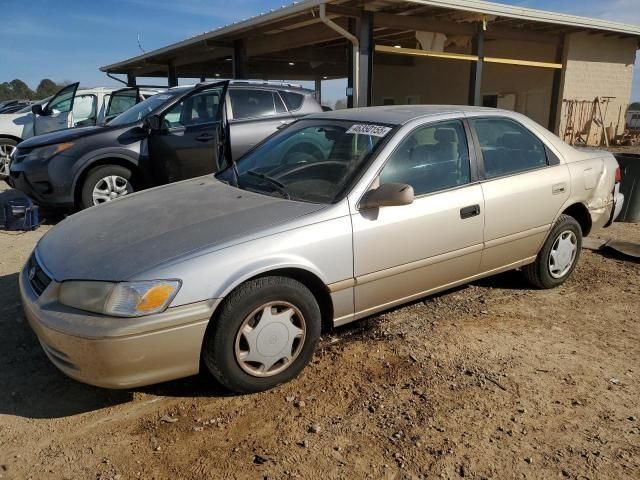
175 135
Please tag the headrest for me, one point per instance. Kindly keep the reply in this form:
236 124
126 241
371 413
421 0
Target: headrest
445 135
511 140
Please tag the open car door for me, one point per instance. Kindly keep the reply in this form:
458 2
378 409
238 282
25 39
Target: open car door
121 101
191 138
57 113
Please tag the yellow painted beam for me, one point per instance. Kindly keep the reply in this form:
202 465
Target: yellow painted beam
523 63
461 56
425 53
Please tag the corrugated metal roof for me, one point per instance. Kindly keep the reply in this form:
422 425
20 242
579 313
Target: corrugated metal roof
472 6
532 14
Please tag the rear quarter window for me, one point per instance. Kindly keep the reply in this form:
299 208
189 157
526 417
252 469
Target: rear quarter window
292 100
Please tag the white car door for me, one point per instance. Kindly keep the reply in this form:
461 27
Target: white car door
57 114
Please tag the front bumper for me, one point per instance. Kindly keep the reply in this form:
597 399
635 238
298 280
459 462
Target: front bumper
115 352
48 182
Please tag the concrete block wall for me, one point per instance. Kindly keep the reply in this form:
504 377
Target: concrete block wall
596 66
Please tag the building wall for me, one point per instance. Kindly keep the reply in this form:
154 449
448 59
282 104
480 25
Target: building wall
444 81
596 66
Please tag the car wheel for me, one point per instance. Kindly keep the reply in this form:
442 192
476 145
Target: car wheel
265 334
106 183
559 255
7 147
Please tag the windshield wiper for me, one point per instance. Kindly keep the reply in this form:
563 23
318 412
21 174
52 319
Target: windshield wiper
278 186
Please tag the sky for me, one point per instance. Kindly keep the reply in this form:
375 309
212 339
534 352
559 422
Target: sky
68 40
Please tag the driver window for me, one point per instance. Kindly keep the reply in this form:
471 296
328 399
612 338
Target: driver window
84 110
431 158
62 103
198 109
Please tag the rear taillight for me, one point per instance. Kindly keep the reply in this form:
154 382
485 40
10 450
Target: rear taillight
618 175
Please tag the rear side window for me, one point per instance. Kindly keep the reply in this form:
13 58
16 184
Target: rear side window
293 100
252 103
508 147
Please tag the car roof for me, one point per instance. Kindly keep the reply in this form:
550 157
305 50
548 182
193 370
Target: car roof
398 114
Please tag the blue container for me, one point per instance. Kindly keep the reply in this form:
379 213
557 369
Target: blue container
21 214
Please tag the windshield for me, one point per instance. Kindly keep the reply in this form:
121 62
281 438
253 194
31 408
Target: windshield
140 111
311 161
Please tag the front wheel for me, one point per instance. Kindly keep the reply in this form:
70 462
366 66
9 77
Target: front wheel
7 147
106 183
559 255
265 334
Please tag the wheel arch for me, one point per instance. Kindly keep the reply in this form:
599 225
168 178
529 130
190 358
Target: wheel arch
107 159
6 136
305 276
580 213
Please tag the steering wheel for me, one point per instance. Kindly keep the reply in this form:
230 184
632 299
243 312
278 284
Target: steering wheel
331 164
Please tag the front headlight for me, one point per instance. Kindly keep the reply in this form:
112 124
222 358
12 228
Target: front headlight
45 153
126 299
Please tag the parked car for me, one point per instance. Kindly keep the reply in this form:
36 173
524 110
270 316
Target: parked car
68 108
15 106
169 137
239 271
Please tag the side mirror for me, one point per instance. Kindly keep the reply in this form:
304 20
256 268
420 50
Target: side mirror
37 109
388 195
153 123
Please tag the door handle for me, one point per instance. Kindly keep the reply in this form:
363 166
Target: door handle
559 188
205 137
470 211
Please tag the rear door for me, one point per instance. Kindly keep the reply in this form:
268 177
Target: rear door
188 143
524 186
57 114
255 113
121 101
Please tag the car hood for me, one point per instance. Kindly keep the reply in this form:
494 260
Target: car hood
129 236
60 136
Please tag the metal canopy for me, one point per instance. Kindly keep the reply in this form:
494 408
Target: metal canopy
294 43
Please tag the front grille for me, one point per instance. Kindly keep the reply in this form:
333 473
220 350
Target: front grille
38 279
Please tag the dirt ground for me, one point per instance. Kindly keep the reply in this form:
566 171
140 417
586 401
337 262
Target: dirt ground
493 380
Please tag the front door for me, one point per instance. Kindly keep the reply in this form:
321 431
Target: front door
57 114
405 252
525 185
121 101
188 143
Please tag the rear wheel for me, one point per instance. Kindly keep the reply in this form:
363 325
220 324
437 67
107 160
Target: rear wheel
106 183
559 255
265 334
7 147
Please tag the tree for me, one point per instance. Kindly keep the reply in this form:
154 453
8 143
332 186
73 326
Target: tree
21 90
5 91
46 88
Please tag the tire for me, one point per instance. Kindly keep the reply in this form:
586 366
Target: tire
226 352
98 177
546 273
7 145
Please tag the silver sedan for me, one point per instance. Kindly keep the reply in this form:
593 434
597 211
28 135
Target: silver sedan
368 209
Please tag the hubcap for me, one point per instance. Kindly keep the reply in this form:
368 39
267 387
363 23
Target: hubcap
5 155
270 339
110 188
563 254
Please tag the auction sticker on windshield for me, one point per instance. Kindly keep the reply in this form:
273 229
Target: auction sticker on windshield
373 130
